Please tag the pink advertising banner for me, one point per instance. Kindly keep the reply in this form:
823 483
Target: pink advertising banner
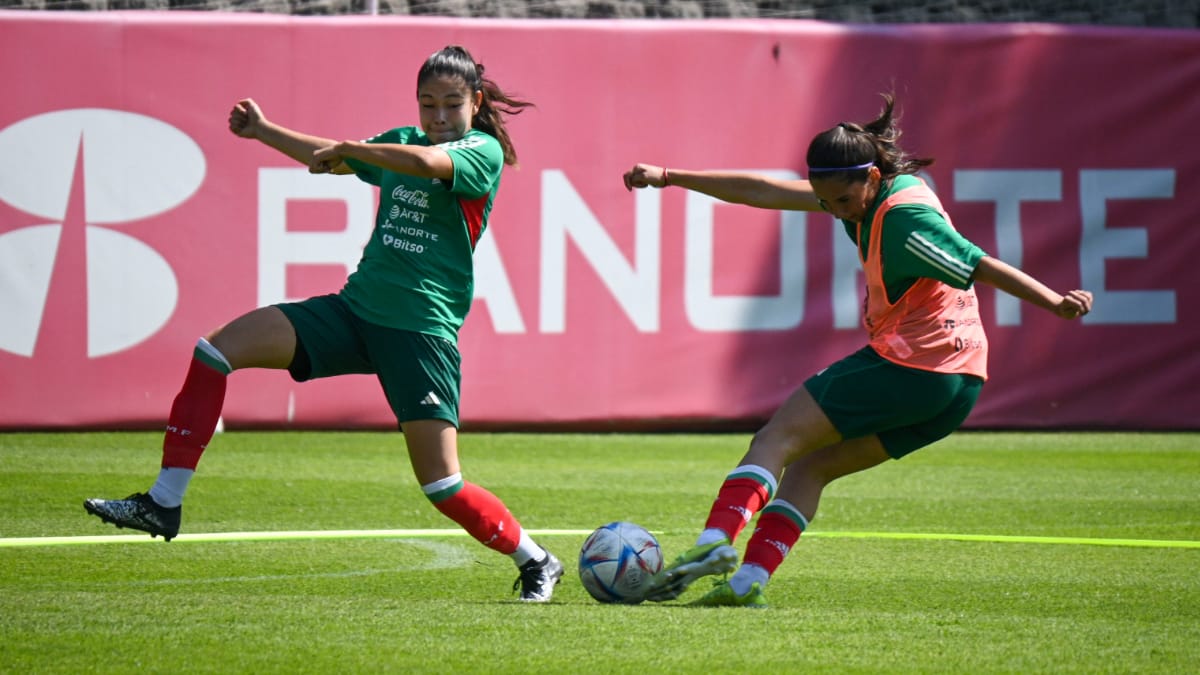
132 222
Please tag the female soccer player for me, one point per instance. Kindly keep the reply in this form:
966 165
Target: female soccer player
915 381
397 316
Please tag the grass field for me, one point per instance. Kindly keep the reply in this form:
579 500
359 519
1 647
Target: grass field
986 553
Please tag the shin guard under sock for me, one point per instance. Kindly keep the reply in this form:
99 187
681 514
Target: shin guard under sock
477 511
777 531
196 409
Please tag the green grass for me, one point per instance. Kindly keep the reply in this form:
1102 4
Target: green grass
840 604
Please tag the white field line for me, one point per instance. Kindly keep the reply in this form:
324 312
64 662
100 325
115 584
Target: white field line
17 542
443 556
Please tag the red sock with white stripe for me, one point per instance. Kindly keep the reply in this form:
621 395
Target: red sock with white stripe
745 490
192 421
483 516
778 529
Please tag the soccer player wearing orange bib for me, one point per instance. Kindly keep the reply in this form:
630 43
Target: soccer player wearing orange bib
397 317
914 383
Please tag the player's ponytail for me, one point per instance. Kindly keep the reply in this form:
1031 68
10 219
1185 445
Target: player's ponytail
849 150
456 61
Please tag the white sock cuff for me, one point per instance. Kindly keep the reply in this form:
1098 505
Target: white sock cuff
756 473
213 353
441 484
788 509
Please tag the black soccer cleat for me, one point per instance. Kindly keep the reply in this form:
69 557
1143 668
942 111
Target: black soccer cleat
138 512
538 578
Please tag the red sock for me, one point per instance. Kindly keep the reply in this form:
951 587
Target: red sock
743 493
481 514
194 414
779 528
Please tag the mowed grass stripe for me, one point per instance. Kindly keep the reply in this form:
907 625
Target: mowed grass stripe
16 542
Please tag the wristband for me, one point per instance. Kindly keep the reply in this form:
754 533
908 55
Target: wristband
666 177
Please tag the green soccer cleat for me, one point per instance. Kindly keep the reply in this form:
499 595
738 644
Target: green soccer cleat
722 595
699 561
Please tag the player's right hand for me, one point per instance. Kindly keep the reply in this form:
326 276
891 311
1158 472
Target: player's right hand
245 118
645 175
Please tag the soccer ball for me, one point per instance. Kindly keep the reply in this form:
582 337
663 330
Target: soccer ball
617 561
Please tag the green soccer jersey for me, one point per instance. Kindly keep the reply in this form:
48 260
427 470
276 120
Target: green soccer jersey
918 242
416 272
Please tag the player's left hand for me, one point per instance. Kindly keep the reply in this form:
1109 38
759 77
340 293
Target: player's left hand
1074 304
326 159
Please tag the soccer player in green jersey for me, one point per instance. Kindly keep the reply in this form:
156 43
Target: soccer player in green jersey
397 316
914 383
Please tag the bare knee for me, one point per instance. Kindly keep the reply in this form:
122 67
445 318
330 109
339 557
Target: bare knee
771 448
798 428
262 338
779 444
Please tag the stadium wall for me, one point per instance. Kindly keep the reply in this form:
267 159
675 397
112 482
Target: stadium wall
1134 13
132 221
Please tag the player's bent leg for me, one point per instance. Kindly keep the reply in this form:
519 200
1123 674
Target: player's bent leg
786 517
799 427
190 426
433 452
262 338
805 479
432 449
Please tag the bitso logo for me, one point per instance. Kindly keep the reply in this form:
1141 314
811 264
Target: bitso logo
87 172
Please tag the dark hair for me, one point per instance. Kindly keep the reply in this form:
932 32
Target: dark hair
456 61
842 151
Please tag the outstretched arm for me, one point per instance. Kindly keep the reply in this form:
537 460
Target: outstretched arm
246 120
997 273
730 186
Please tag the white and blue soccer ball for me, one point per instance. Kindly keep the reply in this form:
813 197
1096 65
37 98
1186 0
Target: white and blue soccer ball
617 562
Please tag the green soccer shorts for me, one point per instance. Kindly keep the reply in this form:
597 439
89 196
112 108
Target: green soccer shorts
420 374
907 408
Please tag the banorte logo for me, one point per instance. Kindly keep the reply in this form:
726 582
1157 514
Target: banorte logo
86 172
